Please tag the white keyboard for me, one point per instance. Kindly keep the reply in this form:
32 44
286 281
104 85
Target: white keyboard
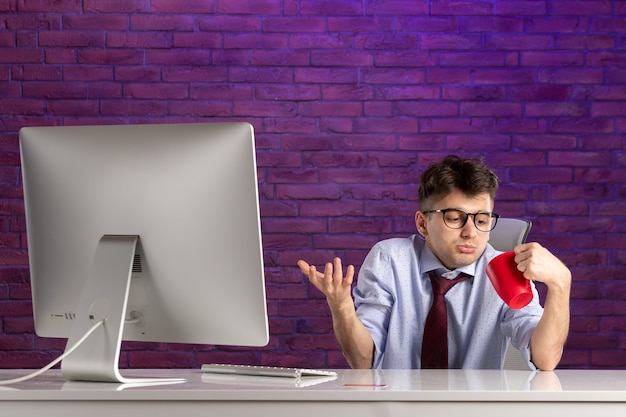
264 370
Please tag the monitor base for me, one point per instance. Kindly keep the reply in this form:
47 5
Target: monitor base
104 298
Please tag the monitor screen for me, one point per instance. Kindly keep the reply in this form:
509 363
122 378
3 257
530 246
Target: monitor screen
153 229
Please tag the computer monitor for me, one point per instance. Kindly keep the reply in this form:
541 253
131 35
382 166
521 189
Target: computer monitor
153 228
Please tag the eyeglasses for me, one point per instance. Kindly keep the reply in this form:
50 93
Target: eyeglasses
484 221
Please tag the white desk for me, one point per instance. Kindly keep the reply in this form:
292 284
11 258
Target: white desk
352 394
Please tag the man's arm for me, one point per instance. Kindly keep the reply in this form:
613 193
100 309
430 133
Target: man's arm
353 337
550 335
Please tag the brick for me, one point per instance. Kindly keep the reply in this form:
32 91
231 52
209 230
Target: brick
150 91
426 108
538 93
22 107
210 91
322 108
473 8
54 90
580 8
582 125
12 55
126 57
151 22
254 41
335 92
116 6
491 24
132 107
385 125
504 76
182 6
463 59
395 42
90 21
223 23
541 175
74 107
319 41
294 25
258 108
397 7
279 58
449 41
322 159
181 57
262 7
316 75
495 109
71 39
259 75
338 208
291 125
479 142
546 109
599 92
568 76
339 8
570 158
614 108
544 142
341 58
45 6
286 92
407 93
554 24
521 8
303 143
518 42
140 40
390 58
552 58
344 24
449 125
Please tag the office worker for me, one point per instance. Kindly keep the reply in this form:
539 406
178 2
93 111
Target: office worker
383 327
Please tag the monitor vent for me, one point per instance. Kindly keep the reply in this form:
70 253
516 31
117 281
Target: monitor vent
137 264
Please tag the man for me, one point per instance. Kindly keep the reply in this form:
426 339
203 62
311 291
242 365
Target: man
394 292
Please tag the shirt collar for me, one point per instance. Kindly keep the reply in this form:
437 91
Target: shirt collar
430 262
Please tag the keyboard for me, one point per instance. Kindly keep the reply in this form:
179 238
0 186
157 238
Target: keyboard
264 370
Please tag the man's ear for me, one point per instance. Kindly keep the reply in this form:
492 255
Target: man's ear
420 223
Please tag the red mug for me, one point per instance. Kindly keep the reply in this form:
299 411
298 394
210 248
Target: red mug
508 281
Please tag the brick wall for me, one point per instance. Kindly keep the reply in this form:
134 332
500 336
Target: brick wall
350 100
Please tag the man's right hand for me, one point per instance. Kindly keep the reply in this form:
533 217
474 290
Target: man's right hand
336 287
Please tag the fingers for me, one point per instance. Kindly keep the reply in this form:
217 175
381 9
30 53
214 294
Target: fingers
333 272
539 264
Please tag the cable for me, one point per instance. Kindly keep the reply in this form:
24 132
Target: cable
57 360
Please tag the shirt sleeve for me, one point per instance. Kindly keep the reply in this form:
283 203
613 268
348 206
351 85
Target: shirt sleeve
373 299
521 323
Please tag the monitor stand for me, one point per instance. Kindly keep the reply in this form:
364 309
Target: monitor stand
105 297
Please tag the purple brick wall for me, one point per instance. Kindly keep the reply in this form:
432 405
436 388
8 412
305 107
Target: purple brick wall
350 100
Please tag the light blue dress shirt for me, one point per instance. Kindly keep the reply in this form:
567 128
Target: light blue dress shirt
393 296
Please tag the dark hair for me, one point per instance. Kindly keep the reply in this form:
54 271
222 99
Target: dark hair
470 176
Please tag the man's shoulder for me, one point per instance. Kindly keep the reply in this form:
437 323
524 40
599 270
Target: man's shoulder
411 243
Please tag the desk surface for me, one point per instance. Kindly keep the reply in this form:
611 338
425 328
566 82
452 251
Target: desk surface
398 390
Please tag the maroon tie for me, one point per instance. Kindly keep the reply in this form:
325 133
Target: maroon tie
435 342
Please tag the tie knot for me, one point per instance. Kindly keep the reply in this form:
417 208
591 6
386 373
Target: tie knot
442 285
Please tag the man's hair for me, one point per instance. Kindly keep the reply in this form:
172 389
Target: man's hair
470 176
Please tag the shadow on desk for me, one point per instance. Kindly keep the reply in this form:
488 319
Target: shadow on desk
455 379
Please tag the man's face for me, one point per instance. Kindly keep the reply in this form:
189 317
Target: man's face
455 247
